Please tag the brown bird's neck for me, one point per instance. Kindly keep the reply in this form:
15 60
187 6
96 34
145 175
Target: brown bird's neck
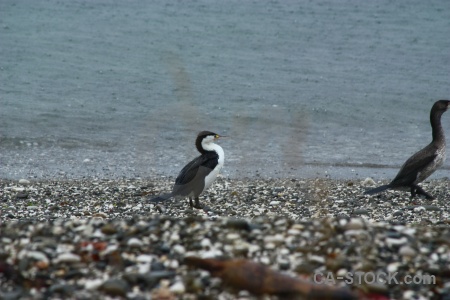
438 131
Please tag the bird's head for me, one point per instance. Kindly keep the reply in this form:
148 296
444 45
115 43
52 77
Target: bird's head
206 137
441 105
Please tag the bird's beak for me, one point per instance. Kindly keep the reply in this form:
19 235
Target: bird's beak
222 136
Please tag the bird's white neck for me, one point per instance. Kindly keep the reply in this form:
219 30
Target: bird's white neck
209 146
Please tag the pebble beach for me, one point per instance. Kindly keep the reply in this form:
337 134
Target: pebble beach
102 239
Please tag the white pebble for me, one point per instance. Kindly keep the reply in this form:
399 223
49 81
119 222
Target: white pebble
434 257
205 243
341 272
241 246
213 253
409 231
273 203
270 246
253 248
284 251
144 259
178 288
134 242
317 258
368 182
408 294
58 230
39 256
174 237
67 258
276 239
137 207
407 251
93 284
143 268
396 242
24 182
343 222
355 224
173 264
96 234
232 236
293 231
419 209
393 267
265 260
179 249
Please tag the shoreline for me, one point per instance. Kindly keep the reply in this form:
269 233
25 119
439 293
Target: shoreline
76 164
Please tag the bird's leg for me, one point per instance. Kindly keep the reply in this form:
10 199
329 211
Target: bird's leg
413 191
197 204
190 202
420 191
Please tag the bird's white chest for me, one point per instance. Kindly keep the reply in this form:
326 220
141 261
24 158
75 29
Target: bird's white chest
209 179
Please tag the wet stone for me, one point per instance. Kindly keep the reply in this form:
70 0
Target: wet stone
397 213
22 195
239 224
152 278
157 266
62 289
115 287
109 229
15 293
361 211
432 208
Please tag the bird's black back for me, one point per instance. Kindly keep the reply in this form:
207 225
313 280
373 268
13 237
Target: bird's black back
409 173
191 177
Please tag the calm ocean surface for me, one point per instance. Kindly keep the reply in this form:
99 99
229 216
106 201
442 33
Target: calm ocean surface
109 89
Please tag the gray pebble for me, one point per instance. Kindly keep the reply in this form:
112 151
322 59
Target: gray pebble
115 287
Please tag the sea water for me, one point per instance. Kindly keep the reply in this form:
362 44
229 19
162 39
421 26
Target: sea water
111 89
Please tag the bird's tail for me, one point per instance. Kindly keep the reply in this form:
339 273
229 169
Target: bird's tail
161 198
377 189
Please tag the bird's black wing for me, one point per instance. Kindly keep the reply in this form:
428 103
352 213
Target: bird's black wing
413 166
191 176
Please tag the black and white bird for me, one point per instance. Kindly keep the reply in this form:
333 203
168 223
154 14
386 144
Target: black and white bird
198 175
423 163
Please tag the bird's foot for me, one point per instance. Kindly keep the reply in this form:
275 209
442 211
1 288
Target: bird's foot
208 209
417 189
160 208
198 206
